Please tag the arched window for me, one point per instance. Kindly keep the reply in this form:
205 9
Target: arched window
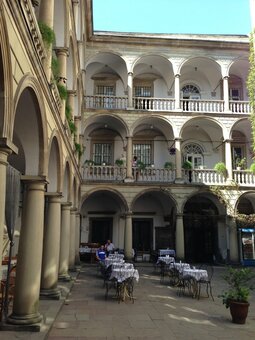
190 92
194 153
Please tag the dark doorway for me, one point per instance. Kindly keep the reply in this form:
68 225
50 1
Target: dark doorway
142 234
200 230
100 230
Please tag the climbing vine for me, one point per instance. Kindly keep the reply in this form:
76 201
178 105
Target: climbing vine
251 86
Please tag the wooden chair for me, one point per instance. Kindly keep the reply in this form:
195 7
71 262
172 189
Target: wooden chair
12 277
206 282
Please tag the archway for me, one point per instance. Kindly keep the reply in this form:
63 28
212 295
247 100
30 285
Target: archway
201 232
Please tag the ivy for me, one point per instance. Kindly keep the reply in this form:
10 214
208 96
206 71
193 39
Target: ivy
251 86
55 67
48 35
62 91
78 149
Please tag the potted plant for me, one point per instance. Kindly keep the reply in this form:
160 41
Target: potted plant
221 169
89 162
187 165
119 162
240 163
141 165
169 165
237 296
252 168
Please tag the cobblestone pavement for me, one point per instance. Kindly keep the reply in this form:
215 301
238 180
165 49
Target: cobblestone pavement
158 313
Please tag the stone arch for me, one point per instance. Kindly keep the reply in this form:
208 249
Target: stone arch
29 107
6 90
55 163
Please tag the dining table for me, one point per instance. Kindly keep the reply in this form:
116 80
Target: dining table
194 275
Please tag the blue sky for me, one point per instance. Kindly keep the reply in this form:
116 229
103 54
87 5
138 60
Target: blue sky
173 16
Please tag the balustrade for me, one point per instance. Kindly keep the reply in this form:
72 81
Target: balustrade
162 175
164 104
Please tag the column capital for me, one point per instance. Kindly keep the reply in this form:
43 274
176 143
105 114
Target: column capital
177 75
73 211
227 140
130 73
77 118
128 213
71 93
54 197
225 77
179 215
178 139
75 2
61 51
7 146
66 205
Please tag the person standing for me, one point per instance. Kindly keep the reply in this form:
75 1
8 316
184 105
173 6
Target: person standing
109 247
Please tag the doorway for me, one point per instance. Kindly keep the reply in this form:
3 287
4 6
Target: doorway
142 234
100 229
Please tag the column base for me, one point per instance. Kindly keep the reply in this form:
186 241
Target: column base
51 294
73 268
25 320
129 180
179 181
64 277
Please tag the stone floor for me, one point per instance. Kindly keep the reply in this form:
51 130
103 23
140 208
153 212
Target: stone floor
157 313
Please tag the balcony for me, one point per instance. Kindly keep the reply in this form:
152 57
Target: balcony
165 104
162 175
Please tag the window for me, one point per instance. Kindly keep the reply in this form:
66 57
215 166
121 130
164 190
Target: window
143 152
107 101
190 92
193 153
143 91
102 153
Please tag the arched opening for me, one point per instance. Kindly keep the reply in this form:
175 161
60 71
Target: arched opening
201 231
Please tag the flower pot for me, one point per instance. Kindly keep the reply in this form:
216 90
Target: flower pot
239 311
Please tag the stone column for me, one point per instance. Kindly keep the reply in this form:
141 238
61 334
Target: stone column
3 166
77 123
179 242
228 159
129 160
28 274
64 242
51 248
233 240
46 15
226 94
62 59
128 237
72 239
178 160
77 239
71 95
177 92
130 90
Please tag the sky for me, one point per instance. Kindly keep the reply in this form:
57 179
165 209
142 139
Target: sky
173 16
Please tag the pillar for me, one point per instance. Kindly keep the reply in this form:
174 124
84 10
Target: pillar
128 237
71 95
3 167
46 15
233 240
129 159
130 90
62 60
179 242
77 239
178 160
228 159
177 92
226 94
51 247
28 274
72 239
64 242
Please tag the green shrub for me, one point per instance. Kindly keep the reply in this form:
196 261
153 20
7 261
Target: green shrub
48 35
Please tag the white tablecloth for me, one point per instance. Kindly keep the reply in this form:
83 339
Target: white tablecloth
197 274
166 259
179 266
121 274
170 252
122 265
116 256
108 261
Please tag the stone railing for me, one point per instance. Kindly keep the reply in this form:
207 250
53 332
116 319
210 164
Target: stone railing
161 175
165 104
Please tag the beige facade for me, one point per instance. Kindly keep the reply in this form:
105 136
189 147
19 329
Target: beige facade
161 98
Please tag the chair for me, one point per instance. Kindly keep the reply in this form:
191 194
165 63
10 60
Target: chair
108 283
162 271
206 282
12 277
